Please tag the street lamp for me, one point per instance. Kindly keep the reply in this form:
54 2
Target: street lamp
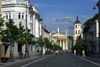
94 8
26 50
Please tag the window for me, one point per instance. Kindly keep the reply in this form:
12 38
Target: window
76 26
76 31
9 16
30 17
19 16
6 16
22 15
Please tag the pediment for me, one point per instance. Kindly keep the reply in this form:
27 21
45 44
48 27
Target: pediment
58 34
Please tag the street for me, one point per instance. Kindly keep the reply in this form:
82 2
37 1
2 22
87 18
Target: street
65 60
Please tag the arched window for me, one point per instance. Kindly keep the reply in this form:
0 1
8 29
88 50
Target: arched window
19 16
6 16
9 16
22 15
76 26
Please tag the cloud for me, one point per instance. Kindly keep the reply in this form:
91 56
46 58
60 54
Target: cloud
44 5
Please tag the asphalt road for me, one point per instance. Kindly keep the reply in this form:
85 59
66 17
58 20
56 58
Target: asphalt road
65 60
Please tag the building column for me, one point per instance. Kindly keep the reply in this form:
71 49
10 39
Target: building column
66 45
60 43
63 45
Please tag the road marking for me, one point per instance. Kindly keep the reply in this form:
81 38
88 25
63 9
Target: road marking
90 61
47 65
33 62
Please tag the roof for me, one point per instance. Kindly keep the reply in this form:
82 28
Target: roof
77 21
98 4
46 30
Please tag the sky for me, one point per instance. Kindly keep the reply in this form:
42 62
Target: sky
50 9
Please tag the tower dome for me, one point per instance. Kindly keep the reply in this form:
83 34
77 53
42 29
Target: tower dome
77 21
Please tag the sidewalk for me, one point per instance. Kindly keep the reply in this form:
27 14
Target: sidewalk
22 60
93 55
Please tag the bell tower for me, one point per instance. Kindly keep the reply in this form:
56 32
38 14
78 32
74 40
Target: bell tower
77 30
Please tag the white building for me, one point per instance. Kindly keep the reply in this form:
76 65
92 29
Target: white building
77 30
61 39
18 10
92 37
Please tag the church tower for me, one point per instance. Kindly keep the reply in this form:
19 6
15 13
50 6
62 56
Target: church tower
77 30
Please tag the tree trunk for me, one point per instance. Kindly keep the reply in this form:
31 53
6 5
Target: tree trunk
11 53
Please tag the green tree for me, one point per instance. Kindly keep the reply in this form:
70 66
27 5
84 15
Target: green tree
41 43
78 46
71 38
56 47
30 37
11 35
48 44
89 21
21 38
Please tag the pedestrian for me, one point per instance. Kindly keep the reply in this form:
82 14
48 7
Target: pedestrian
74 52
83 53
78 53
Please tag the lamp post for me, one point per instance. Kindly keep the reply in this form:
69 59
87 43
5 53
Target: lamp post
26 50
0 30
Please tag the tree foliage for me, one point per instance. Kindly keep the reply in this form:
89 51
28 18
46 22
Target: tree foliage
48 44
29 37
21 34
10 34
78 46
57 47
88 22
40 41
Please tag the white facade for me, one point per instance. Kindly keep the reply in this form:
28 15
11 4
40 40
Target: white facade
77 30
18 10
93 44
61 39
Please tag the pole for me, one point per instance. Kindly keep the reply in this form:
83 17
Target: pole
26 51
0 31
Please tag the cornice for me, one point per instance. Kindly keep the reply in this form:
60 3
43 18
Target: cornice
40 19
14 5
